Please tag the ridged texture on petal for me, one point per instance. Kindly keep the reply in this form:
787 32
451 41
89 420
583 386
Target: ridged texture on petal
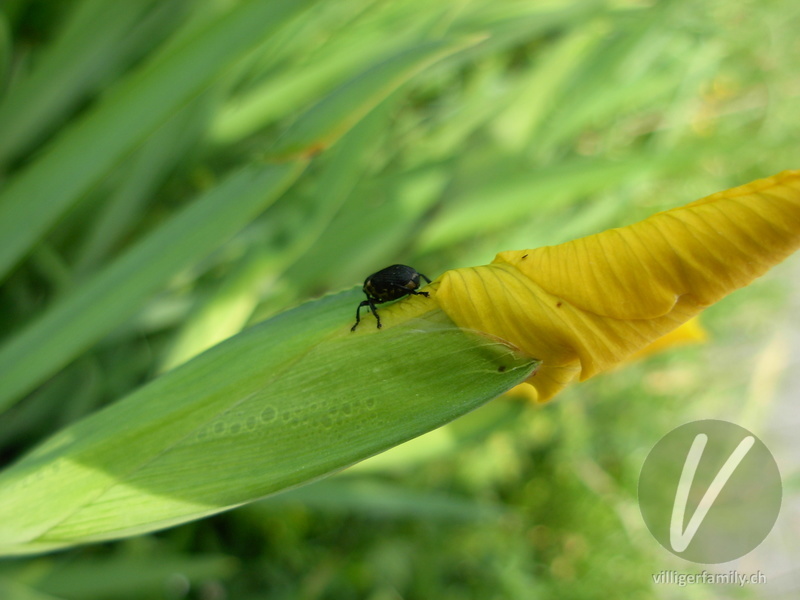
584 306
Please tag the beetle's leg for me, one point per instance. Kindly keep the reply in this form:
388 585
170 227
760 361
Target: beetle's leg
358 313
374 311
423 293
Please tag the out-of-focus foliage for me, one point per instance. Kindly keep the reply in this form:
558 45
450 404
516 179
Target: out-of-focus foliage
556 120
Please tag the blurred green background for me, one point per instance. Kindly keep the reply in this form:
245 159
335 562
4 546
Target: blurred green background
561 119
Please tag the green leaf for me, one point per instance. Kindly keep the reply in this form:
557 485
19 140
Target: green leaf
283 403
5 51
72 324
516 196
282 93
137 186
337 112
20 591
78 159
363 496
121 575
87 48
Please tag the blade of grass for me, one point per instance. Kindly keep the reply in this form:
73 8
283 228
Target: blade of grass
143 172
87 47
334 115
621 73
124 575
41 193
21 591
362 496
316 68
282 94
5 53
540 90
283 403
515 197
72 324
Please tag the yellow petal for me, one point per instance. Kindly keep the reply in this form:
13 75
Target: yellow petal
691 332
584 306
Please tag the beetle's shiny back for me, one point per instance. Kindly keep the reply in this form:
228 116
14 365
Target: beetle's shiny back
391 283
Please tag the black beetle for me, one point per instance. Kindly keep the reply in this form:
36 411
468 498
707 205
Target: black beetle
389 284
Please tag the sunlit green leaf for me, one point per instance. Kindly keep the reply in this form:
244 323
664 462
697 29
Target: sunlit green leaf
278 405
